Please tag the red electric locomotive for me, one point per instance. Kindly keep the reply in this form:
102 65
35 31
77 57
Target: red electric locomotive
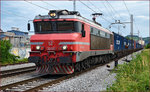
64 41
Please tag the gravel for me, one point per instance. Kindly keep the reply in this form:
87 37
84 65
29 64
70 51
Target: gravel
9 80
95 80
17 78
9 67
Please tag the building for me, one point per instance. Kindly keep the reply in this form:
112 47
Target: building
142 42
17 38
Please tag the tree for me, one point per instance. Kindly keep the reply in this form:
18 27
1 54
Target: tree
147 46
5 55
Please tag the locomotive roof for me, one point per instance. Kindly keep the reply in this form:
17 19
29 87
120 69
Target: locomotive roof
74 17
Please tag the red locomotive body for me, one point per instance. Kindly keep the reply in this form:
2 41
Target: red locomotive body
62 39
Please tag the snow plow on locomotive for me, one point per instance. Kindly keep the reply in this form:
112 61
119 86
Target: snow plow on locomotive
65 42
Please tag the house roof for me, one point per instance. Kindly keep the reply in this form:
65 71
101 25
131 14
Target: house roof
2 36
18 32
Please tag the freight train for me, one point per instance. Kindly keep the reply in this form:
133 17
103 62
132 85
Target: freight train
65 42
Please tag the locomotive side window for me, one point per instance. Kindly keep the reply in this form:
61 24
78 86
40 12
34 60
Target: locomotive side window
99 39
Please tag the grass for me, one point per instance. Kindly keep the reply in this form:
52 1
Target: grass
24 60
133 76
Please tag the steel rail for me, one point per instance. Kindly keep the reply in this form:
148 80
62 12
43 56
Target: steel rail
13 72
20 82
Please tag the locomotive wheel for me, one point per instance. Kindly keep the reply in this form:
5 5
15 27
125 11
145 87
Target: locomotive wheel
83 66
87 64
78 67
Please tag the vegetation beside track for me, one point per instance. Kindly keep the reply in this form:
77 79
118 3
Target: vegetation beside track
6 57
147 46
133 76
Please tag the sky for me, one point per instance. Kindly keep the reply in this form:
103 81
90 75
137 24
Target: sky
17 13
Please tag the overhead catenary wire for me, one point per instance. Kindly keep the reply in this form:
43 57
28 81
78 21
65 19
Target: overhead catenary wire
108 11
126 7
87 6
136 26
7 12
49 4
113 9
95 12
99 9
37 5
94 6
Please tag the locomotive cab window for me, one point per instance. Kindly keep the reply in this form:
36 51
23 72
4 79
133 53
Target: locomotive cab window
65 26
42 26
57 26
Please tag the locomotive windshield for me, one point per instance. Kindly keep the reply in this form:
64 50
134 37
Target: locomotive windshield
57 26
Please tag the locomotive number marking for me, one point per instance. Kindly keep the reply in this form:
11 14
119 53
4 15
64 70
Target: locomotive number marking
51 48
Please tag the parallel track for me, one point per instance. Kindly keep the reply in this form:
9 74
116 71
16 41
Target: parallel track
28 83
13 72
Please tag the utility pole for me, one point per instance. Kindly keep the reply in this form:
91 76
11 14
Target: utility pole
131 22
138 35
131 31
74 5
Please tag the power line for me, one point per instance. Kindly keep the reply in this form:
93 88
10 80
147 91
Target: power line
37 5
87 6
49 4
95 12
130 14
98 8
109 8
94 6
108 11
113 8
126 7
6 12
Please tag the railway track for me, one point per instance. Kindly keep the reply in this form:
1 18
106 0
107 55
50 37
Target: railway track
39 83
13 72
28 84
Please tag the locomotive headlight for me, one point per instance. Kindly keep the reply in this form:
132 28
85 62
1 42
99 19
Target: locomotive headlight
52 14
64 47
38 47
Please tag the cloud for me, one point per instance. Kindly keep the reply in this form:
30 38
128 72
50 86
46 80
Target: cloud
143 17
140 10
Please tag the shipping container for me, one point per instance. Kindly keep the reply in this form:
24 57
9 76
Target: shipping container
118 42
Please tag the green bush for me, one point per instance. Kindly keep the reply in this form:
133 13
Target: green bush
5 55
147 46
133 76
